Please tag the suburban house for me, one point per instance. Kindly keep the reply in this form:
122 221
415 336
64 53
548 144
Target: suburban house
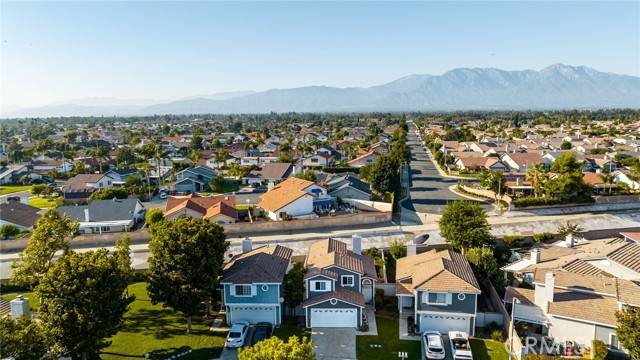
252 283
271 172
318 160
439 289
478 163
339 284
80 187
44 167
294 197
219 209
623 176
380 148
11 174
106 215
194 179
120 176
521 162
22 216
347 186
363 160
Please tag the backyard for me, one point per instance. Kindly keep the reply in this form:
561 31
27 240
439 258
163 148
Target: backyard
41 202
488 350
388 339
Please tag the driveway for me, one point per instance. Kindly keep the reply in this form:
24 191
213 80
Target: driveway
334 343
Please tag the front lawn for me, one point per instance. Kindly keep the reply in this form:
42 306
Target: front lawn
10 189
284 332
41 202
488 350
227 188
389 340
161 332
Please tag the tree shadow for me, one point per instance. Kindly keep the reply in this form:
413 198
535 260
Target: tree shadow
183 352
159 323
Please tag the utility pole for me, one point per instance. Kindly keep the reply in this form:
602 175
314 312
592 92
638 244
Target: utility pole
513 325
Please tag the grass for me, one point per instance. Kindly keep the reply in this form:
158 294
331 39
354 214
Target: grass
488 350
34 301
284 332
225 189
161 332
10 189
388 338
41 202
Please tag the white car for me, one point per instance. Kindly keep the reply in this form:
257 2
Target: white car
433 345
460 345
238 334
163 195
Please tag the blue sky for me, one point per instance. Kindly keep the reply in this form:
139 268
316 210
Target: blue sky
55 51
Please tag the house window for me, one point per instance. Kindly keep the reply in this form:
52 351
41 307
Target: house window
106 228
347 280
100 184
369 161
109 182
613 341
314 160
436 298
243 290
320 286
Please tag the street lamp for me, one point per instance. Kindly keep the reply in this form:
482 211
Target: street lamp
513 325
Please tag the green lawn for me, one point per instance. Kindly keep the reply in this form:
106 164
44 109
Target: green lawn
284 332
41 202
34 301
488 350
388 338
9 189
225 189
161 332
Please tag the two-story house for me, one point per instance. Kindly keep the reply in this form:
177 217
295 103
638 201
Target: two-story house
439 289
296 197
120 176
80 187
194 179
339 284
252 283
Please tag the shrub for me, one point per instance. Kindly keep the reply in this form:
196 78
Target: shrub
543 236
398 249
37 188
363 327
512 239
599 350
110 193
502 254
287 217
153 216
496 335
8 230
544 201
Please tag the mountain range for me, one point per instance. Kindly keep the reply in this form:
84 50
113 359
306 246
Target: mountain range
555 87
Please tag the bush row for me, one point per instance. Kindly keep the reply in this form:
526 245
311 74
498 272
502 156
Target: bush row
543 201
468 193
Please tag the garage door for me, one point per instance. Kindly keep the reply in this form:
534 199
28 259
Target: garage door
444 323
253 314
337 318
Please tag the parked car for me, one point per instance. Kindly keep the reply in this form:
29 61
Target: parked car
261 332
433 345
238 334
13 198
173 192
163 195
38 181
460 345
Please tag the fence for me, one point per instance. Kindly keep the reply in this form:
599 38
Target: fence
389 289
498 305
369 205
485 318
324 222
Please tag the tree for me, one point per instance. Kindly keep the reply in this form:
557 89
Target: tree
24 179
494 181
384 175
110 193
566 163
566 145
217 184
36 259
570 228
23 338
365 172
8 230
186 260
608 179
293 285
537 175
153 216
484 264
402 152
276 349
628 330
83 299
464 225
398 249
308 175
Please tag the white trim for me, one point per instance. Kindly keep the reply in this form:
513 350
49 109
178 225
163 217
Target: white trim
437 293
343 277
461 296
611 335
581 320
235 292
324 301
265 287
333 301
314 284
444 313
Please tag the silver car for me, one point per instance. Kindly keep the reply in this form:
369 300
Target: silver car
433 345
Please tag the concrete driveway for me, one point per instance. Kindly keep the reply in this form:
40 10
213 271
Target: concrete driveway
334 344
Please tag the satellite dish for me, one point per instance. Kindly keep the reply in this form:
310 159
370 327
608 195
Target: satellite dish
281 300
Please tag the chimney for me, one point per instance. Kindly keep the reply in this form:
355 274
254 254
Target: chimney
549 284
596 146
412 249
569 240
270 186
247 245
86 216
356 244
24 200
518 181
535 256
20 307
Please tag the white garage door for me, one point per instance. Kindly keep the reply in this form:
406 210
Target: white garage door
253 314
337 318
444 323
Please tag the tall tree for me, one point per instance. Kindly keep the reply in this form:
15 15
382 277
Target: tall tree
84 301
22 339
293 286
537 175
628 330
36 259
494 181
276 349
186 261
484 264
384 175
464 225
608 179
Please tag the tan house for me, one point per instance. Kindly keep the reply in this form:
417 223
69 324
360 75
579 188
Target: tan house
220 209
364 160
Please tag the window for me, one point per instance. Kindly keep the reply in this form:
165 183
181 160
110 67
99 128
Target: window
109 182
106 228
437 298
347 280
243 290
320 286
613 341
314 160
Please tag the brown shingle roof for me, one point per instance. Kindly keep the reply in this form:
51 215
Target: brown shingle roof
19 214
440 271
331 252
266 264
340 294
273 171
578 266
627 256
526 296
590 307
316 271
80 181
284 194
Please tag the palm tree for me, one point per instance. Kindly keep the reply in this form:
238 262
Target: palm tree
537 175
608 179
220 158
234 170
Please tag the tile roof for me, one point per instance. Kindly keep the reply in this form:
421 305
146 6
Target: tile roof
526 296
331 252
578 266
364 156
206 206
627 256
265 264
579 282
80 181
316 271
438 270
629 292
284 194
17 213
635 236
340 294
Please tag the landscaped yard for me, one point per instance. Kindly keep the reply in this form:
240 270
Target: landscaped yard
488 350
161 332
227 188
391 345
41 202
9 189
284 332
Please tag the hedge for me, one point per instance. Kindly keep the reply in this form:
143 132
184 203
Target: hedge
461 190
511 239
543 201
543 236
599 350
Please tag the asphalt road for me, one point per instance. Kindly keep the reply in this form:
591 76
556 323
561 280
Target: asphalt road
429 191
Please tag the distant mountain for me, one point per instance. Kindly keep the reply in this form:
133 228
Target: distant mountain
555 87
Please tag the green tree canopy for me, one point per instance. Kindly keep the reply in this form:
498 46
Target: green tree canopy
110 193
23 338
185 263
293 285
566 163
153 215
464 225
384 175
484 264
398 249
628 330
308 175
276 349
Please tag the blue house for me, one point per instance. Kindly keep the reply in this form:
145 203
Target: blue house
339 284
194 179
439 289
252 284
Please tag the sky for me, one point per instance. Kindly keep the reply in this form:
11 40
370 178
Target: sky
57 51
